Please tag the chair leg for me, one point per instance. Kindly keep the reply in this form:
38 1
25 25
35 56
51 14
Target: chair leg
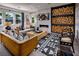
73 48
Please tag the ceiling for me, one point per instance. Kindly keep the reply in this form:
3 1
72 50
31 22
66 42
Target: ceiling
31 7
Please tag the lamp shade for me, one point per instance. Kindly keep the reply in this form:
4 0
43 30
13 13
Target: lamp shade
7 23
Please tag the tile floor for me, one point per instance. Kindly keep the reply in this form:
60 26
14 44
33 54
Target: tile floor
4 52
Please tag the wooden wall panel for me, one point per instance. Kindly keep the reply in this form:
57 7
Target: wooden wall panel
63 18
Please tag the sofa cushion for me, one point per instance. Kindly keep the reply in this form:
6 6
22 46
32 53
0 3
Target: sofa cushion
66 39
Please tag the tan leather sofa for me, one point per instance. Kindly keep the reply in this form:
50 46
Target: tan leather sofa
19 48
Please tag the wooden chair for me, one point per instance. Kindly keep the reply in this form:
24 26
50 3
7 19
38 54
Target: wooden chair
67 39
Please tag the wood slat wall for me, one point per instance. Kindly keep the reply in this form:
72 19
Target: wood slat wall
63 18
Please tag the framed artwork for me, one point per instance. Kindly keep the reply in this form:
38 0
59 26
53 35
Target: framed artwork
43 16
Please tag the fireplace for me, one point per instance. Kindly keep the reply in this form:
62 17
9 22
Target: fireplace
44 28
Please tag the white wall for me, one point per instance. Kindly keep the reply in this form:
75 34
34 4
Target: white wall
44 22
77 20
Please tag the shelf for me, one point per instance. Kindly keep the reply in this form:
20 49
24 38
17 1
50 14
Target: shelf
63 15
63 24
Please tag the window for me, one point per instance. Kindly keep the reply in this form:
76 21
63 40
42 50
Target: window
18 18
1 18
9 17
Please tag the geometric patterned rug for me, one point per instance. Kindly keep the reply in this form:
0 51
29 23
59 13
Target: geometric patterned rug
49 45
